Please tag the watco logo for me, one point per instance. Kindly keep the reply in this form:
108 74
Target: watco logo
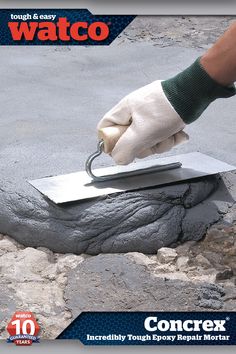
61 30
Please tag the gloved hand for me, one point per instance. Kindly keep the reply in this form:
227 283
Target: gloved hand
157 113
155 127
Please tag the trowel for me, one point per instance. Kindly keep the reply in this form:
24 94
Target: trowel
91 183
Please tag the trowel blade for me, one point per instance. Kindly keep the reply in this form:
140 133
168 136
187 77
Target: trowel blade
79 186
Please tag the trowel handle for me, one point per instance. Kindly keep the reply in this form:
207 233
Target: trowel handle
110 136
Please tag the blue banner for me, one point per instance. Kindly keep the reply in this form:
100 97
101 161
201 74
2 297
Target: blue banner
59 27
153 328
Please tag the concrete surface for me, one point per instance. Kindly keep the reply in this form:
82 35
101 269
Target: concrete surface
197 276
181 31
52 99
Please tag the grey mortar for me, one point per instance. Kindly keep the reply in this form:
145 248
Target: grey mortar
140 221
51 101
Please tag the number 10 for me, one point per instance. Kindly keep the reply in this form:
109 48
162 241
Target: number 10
24 327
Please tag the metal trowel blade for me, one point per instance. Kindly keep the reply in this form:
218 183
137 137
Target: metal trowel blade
78 186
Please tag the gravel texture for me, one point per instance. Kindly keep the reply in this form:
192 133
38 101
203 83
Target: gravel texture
183 31
197 276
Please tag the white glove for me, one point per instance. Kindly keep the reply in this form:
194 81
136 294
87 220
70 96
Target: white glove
155 127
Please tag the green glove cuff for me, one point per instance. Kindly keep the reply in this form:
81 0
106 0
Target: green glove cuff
191 91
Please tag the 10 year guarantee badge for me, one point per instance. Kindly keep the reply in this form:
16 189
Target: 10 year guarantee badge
23 328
